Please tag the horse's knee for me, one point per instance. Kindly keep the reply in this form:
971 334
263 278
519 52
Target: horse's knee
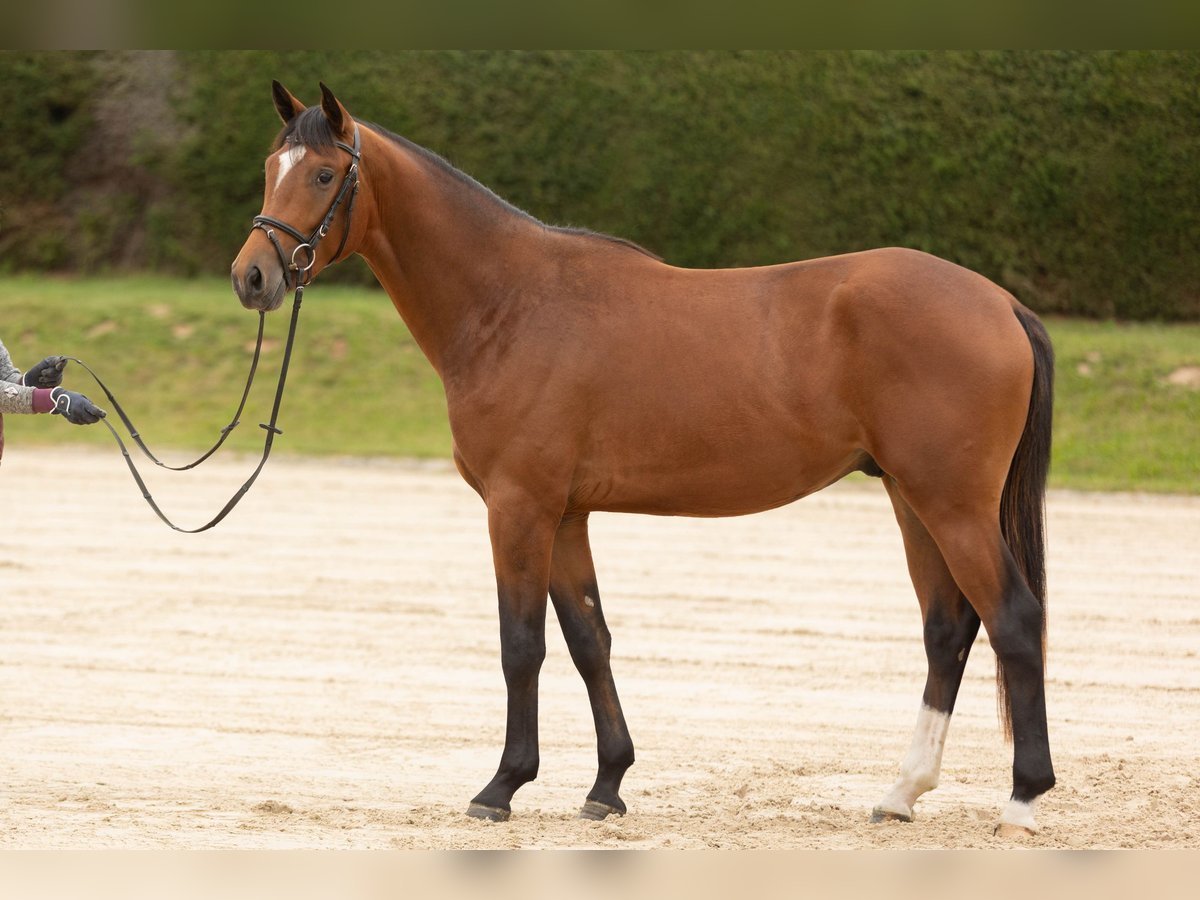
522 648
522 663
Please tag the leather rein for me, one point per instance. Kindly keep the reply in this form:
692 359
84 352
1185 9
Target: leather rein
299 276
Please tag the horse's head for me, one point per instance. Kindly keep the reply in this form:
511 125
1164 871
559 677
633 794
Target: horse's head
311 182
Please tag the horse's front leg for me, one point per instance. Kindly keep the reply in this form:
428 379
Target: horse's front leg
522 539
576 600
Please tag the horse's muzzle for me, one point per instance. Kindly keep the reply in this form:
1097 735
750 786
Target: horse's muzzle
259 289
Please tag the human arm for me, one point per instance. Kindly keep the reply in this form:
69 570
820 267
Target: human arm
16 398
74 407
38 391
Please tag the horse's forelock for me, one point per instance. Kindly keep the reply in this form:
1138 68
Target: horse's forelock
309 129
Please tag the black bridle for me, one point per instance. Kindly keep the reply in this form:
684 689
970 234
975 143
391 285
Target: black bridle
307 244
302 277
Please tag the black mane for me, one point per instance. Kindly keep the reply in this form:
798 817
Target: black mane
311 129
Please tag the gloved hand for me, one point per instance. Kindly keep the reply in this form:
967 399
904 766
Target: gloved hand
46 374
75 408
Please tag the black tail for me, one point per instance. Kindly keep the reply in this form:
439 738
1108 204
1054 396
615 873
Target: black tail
1023 503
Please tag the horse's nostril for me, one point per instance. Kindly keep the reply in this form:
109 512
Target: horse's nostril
254 279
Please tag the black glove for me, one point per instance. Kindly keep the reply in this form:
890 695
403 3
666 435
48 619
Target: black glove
46 374
75 408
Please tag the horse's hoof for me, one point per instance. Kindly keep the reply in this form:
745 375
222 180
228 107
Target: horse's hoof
490 813
597 811
879 814
1010 831
1016 821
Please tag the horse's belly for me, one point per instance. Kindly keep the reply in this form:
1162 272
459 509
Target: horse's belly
735 484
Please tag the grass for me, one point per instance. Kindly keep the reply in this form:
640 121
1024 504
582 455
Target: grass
1120 424
175 353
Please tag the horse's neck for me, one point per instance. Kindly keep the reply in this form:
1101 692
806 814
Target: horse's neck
444 251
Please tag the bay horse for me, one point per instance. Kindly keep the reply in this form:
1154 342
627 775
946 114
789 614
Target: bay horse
584 374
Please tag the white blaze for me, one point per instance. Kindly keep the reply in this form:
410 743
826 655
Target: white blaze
288 157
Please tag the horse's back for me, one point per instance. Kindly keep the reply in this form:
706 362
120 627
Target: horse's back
823 341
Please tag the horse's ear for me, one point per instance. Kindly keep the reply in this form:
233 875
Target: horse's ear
339 119
287 105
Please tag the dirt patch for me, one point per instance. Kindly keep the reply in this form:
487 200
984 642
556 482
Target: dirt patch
322 670
101 328
1185 376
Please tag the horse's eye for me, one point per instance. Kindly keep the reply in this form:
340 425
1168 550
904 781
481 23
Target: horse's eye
325 178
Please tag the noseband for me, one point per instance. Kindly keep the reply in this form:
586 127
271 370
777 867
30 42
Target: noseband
307 244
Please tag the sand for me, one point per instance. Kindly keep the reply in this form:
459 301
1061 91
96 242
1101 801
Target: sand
322 670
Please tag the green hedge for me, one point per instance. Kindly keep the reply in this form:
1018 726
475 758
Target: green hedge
44 120
1070 178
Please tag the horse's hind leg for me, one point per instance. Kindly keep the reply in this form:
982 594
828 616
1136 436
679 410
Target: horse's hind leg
969 537
577 602
950 626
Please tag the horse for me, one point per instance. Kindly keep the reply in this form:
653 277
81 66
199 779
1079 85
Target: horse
584 374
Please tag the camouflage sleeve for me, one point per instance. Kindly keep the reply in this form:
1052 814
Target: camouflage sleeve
14 396
8 372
